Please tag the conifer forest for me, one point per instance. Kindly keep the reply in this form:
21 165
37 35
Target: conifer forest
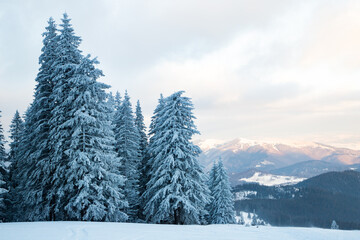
82 153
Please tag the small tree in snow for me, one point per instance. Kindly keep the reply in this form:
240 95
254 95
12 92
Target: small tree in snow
254 220
241 219
334 225
16 129
222 203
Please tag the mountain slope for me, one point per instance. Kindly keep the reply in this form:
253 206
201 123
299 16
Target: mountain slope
309 168
241 155
314 202
346 182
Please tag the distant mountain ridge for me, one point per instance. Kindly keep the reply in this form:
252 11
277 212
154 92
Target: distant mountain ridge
300 160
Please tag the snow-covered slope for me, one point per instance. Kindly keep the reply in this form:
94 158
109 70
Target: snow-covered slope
271 180
128 231
241 155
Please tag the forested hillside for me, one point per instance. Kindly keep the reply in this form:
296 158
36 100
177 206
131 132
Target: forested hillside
314 202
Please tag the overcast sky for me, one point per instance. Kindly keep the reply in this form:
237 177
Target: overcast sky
263 70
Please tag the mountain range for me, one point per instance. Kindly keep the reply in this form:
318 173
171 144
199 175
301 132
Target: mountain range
316 201
243 157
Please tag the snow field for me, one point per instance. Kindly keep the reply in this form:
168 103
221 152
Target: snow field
132 231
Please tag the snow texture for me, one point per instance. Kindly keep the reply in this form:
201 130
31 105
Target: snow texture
131 231
271 180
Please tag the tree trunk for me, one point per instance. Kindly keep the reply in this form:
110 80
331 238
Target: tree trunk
177 216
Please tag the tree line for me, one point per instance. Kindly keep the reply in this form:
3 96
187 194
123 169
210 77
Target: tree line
82 154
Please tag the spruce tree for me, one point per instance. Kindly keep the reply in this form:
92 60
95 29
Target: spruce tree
65 65
211 184
222 203
212 177
92 185
176 192
334 225
3 155
16 134
117 100
127 141
146 163
31 178
3 174
139 123
110 100
16 129
86 183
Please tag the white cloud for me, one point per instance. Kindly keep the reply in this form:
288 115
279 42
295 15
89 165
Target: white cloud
270 69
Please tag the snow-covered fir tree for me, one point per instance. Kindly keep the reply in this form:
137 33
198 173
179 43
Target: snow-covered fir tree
211 184
31 176
177 192
146 163
117 116
241 219
86 183
222 203
334 225
117 101
212 177
16 130
3 174
139 123
254 219
110 100
127 144
65 66
16 134
92 184
3 155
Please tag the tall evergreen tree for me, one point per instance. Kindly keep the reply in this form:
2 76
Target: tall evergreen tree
16 134
212 177
31 176
117 100
92 185
154 125
129 151
176 192
16 129
86 184
222 203
3 155
3 174
211 184
146 164
139 123
117 116
110 100
65 65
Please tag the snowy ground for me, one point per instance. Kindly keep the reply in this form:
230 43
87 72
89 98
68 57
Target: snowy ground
128 231
271 180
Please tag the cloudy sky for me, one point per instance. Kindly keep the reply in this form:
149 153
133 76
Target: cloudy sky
264 70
